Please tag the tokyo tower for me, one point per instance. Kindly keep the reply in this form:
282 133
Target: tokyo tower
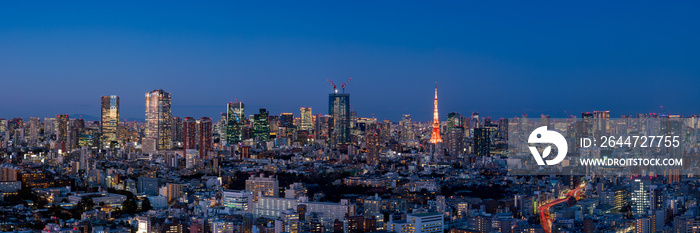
435 138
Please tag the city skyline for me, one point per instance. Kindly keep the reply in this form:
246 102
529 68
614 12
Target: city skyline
625 57
563 113
237 117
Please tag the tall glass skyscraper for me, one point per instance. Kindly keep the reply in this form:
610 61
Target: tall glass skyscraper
306 122
235 120
109 120
159 119
261 125
62 131
339 110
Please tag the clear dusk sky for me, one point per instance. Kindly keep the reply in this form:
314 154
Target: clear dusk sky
500 58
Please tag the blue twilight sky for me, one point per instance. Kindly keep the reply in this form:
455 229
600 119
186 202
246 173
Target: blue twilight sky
500 58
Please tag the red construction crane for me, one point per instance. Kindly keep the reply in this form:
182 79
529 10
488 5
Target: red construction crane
332 84
345 83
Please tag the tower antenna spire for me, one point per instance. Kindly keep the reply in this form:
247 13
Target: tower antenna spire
436 137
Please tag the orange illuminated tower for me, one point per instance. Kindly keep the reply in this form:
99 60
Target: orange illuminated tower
435 138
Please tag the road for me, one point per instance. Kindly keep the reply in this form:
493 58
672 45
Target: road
545 218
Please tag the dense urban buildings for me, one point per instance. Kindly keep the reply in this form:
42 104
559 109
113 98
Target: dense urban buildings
340 172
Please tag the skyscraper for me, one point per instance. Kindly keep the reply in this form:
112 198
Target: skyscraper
455 141
261 125
235 121
177 129
159 119
189 135
641 195
3 125
503 129
436 137
454 119
339 125
407 128
373 143
34 126
205 132
62 131
306 122
287 120
109 120
322 127
49 126
482 142
222 127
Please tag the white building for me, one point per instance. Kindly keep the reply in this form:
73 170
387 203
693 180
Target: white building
237 199
158 202
112 199
272 207
144 224
418 223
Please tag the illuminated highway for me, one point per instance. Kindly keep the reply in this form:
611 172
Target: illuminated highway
545 218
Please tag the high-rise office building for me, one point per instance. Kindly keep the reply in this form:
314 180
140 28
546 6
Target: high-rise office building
49 126
109 120
373 144
34 127
62 131
205 132
177 130
306 119
406 125
235 121
339 110
3 125
640 195
455 141
222 127
287 120
482 142
586 130
322 127
159 119
454 119
601 122
261 125
503 129
189 134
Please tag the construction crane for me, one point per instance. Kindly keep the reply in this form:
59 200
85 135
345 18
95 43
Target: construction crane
333 84
345 84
